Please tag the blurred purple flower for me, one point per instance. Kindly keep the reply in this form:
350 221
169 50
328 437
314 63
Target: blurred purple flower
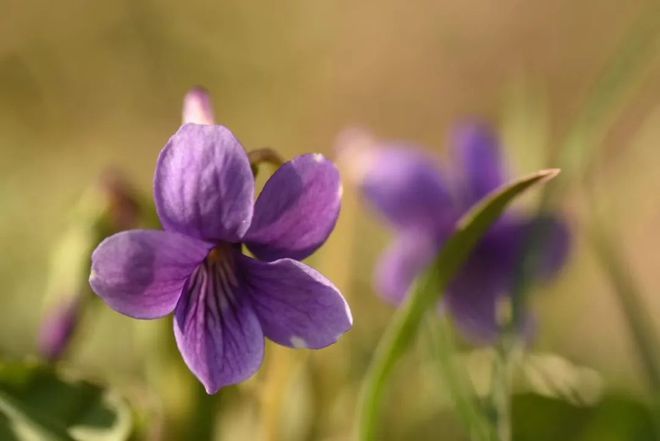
58 327
423 203
223 301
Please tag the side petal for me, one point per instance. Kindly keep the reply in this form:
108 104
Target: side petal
296 305
477 152
297 209
402 262
204 186
509 239
216 328
141 273
405 187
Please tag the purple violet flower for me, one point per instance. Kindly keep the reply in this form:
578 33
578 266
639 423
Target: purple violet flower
423 205
223 301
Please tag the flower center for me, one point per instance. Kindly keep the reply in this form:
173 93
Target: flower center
220 262
212 287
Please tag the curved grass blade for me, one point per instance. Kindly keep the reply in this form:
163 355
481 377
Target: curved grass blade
426 292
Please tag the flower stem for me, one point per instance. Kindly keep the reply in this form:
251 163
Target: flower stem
467 405
392 345
501 392
619 80
638 320
264 155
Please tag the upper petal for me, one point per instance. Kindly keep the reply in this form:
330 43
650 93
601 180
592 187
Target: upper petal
204 186
297 209
402 263
477 152
216 328
141 273
296 305
407 189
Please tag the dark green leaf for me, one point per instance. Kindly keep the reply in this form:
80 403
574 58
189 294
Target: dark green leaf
38 404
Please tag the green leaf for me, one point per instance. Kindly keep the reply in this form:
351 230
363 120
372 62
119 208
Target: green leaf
428 289
38 405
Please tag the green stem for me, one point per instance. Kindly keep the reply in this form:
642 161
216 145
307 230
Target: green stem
501 392
392 345
604 102
467 405
637 317
610 92
264 155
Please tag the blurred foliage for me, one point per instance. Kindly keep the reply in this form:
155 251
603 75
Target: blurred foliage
615 417
38 405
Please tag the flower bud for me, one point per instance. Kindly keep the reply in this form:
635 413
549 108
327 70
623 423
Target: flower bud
58 327
197 107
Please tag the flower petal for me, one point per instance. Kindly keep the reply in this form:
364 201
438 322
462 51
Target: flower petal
508 239
405 187
204 186
296 305
216 328
400 265
477 151
197 107
141 273
297 209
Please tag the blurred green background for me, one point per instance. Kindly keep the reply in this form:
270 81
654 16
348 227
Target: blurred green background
87 85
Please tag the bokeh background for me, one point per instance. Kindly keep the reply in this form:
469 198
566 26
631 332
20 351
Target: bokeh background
88 85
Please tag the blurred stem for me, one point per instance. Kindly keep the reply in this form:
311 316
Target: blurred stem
390 348
610 92
467 405
629 296
604 102
201 425
500 394
280 365
264 155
